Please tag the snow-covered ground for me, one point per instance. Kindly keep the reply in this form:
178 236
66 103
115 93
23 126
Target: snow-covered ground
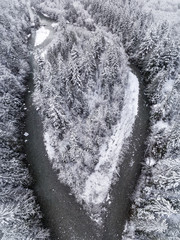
41 34
99 182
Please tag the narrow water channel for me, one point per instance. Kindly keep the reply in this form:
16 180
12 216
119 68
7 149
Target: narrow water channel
65 218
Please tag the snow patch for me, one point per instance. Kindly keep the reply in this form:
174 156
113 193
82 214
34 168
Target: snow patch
168 86
47 140
98 184
41 34
54 25
44 53
161 125
150 162
45 15
26 134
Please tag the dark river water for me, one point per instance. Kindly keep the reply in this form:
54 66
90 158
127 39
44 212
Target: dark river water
65 218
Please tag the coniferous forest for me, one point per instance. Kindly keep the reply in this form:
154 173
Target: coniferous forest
76 73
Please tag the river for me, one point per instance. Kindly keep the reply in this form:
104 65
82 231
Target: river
65 218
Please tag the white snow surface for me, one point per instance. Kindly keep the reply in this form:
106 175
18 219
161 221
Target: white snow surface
50 150
168 86
44 53
55 25
150 162
41 34
99 182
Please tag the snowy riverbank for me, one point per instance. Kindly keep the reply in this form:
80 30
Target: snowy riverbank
98 184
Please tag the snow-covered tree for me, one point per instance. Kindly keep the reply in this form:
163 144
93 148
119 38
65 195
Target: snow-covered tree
19 214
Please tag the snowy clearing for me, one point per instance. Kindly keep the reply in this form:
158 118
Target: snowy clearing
41 34
54 25
98 184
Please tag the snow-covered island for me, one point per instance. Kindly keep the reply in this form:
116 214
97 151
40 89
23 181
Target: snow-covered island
73 63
